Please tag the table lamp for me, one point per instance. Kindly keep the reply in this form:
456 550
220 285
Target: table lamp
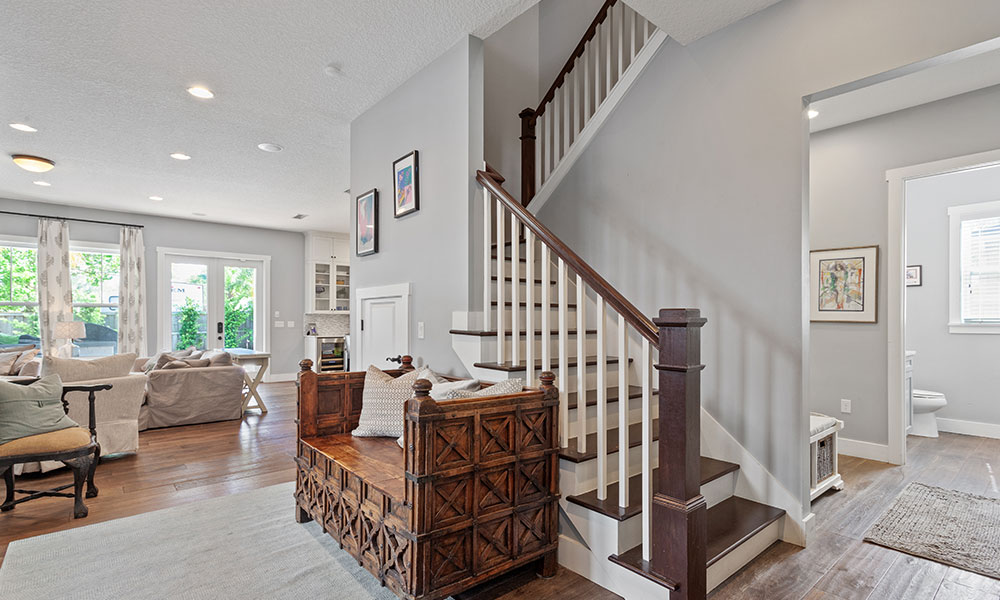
69 330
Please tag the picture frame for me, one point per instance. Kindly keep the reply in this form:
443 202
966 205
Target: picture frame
366 223
406 185
914 276
843 285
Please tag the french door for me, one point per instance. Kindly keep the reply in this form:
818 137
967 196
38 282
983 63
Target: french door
211 302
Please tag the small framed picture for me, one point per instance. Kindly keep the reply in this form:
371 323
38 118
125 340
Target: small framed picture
844 285
914 276
367 223
406 185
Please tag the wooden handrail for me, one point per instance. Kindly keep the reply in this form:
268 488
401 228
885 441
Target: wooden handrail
613 297
577 52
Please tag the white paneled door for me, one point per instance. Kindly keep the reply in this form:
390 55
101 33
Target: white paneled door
384 326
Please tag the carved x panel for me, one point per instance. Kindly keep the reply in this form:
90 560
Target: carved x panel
530 529
533 430
450 501
397 557
370 549
350 538
496 436
495 490
532 480
452 444
494 542
449 558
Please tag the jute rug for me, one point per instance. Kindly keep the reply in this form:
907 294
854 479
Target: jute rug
954 528
244 546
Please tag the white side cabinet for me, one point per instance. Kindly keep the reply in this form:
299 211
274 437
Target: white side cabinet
328 273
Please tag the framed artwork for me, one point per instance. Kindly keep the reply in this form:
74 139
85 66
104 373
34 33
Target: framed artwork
844 285
367 223
914 276
406 185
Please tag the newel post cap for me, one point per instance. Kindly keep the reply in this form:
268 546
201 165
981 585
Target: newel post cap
305 364
679 317
422 388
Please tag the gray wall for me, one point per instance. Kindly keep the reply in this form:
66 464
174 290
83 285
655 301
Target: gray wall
962 366
285 248
439 113
561 24
849 207
692 194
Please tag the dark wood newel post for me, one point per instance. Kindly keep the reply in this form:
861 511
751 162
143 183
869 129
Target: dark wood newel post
528 119
679 535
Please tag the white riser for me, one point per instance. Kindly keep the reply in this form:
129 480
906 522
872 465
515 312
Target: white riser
579 478
634 414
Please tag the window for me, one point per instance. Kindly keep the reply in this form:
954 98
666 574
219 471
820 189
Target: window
94 278
975 268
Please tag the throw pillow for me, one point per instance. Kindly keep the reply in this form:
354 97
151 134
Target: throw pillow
441 386
218 358
197 362
26 357
32 409
174 364
7 360
76 369
158 361
382 402
501 388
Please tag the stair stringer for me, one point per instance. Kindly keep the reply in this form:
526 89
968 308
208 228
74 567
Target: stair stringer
755 482
596 122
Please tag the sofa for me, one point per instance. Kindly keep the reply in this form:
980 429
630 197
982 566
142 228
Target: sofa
117 409
191 394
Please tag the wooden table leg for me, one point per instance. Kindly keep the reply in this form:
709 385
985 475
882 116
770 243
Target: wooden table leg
252 387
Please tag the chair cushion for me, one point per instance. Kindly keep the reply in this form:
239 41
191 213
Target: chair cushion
818 423
54 441
27 410
75 369
382 403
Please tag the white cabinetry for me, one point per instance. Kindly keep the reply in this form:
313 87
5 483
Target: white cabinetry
328 273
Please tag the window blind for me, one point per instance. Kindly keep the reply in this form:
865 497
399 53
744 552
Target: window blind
980 258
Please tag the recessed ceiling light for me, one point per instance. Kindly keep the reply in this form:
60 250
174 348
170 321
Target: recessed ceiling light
269 147
35 164
333 70
23 127
42 183
200 92
813 113
156 198
180 156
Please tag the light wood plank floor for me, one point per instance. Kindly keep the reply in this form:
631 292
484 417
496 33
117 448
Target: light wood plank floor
185 464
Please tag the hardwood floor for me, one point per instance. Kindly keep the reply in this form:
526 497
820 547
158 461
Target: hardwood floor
185 464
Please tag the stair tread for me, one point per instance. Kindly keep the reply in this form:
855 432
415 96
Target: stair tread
510 279
493 333
537 304
571 454
711 469
523 366
730 523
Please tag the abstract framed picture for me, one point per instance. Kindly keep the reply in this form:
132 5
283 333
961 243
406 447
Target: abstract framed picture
406 185
844 285
914 276
367 223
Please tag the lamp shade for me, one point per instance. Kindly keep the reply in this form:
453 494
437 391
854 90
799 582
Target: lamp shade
70 330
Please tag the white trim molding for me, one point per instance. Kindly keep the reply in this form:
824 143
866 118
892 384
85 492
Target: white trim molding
860 449
987 430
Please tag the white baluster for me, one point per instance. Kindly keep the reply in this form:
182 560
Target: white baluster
487 266
539 154
586 84
529 312
609 61
597 68
547 151
568 110
602 405
622 412
546 330
577 100
500 287
634 43
581 373
563 360
557 117
647 448
515 292
620 30
647 31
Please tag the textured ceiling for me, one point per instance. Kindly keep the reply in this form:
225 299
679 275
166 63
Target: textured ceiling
104 83
688 20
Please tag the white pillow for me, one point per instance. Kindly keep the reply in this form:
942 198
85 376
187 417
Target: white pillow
441 386
382 403
501 388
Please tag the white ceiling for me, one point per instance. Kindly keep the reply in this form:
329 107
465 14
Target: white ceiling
919 87
104 83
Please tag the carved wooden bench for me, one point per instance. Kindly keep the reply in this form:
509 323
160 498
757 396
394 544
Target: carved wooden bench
474 494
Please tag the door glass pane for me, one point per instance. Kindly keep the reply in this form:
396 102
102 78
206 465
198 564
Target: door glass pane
188 305
240 304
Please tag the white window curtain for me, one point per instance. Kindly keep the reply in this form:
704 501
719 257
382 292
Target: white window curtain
132 292
55 292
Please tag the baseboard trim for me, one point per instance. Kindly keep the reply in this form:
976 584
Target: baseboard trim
988 430
279 377
860 449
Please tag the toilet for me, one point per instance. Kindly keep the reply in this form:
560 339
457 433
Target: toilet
925 404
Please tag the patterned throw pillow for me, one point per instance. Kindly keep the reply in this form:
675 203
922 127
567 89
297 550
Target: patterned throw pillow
382 403
501 388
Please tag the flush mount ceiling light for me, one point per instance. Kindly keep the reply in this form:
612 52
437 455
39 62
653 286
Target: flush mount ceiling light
180 156
23 127
813 113
200 92
35 164
156 198
269 147
42 183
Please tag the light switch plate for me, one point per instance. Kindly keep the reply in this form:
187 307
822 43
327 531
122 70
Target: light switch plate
279 323
845 405
291 323
277 314
420 330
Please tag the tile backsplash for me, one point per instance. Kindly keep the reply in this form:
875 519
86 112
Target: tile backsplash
329 324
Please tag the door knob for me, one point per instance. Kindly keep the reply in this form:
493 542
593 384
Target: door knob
398 359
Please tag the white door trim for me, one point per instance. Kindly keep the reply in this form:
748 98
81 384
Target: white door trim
398 290
896 311
163 295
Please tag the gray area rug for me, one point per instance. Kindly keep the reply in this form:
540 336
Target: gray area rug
954 528
242 546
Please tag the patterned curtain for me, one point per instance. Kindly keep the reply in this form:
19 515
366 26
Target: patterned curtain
55 292
132 293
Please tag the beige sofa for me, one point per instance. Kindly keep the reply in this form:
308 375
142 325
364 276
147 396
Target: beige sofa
190 395
117 409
